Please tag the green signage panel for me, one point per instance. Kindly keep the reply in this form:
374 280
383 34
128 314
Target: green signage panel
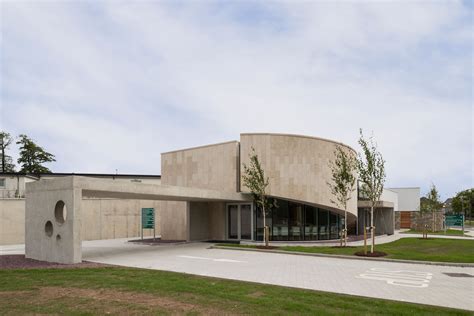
148 218
454 220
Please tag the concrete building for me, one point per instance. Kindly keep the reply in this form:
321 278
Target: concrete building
200 196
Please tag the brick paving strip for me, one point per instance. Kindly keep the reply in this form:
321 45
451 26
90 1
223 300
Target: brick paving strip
446 264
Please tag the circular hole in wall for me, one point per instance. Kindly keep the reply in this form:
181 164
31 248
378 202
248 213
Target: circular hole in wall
60 212
58 237
48 228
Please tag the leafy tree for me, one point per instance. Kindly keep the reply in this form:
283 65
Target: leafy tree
255 180
463 202
431 203
5 160
343 170
371 167
32 156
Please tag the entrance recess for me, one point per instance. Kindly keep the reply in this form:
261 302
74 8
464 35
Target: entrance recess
239 221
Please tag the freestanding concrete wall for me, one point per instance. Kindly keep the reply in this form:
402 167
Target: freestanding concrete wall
49 237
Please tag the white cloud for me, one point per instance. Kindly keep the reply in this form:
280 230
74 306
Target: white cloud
126 81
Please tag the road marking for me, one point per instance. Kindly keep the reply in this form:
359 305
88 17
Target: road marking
192 257
398 277
212 259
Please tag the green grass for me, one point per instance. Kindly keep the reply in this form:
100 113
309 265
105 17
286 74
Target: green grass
138 291
451 232
433 249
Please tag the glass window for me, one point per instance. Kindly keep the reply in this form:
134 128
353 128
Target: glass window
245 221
334 226
2 182
280 221
323 220
311 223
233 213
295 221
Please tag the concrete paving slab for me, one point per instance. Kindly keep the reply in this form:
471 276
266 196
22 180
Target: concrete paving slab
414 283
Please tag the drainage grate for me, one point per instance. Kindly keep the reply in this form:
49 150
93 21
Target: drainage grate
459 275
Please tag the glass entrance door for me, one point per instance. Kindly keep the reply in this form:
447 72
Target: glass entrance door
239 221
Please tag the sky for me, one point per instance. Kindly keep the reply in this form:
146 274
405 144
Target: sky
109 85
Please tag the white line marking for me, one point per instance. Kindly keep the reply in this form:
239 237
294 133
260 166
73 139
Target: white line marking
227 260
398 277
192 257
211 259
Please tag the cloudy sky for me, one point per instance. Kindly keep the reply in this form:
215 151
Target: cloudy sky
111 85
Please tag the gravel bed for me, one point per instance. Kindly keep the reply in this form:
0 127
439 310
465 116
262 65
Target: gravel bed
20 262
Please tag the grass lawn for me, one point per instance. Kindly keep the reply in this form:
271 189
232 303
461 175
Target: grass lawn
452 232
128 291
434 249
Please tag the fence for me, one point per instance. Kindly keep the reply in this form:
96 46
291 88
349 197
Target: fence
11 194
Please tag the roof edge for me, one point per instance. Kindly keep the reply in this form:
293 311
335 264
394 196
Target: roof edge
302 136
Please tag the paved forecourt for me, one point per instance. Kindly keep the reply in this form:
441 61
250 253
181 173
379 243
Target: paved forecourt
424 284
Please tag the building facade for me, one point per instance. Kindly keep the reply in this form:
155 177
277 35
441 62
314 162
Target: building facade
298 171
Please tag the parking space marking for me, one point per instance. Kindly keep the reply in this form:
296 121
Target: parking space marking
398 277
212 259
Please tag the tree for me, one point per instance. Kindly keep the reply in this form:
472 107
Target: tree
463 202
32 156
371 167
432 204
5 160
255 180
343 178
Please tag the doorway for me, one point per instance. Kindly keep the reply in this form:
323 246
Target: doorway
240 221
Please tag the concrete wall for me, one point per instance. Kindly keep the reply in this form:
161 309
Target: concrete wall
390 196
298 167
199 221
12 221
408 198
47 237
174 220
217 221
384 221
207 221
114 218
212 167
101 219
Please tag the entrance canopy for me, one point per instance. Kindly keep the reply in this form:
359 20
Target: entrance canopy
53 210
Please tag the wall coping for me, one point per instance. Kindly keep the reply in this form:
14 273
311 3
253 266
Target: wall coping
300 136
199 147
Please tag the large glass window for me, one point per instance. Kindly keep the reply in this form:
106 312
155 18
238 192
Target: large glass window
323 221
334 226
279 231
295 221
311 223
